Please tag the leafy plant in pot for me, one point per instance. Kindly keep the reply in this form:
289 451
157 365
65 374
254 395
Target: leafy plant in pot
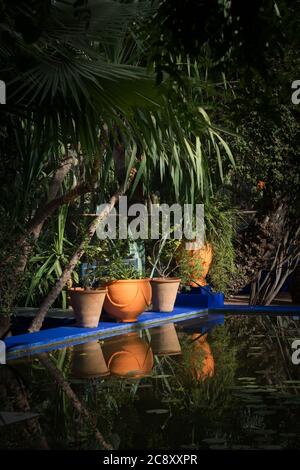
172 269
87 300
128 293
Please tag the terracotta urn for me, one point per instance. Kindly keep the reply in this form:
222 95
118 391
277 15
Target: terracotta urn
127 299
199 255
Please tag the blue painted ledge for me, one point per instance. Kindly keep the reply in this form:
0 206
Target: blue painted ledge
188 306
268 309
54 338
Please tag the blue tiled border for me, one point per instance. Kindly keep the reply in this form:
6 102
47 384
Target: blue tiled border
47 340
188 306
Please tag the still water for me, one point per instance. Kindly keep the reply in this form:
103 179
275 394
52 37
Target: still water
227 383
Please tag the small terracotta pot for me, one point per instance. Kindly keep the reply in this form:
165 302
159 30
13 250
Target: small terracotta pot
203 363
164 291
87 305
128 356
127 299
203 254
88 361
164 340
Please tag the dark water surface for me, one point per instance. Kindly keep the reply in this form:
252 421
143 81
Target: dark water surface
234 386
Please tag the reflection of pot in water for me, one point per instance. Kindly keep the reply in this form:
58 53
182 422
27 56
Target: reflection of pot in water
164 340
128 356
88 361
203 364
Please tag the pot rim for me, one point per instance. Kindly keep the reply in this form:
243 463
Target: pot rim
144 279
82 290
166 279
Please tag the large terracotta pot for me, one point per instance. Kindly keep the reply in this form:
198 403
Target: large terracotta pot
199 253
164 340
203 363
87 305
127 299
88 361
128 356
164 291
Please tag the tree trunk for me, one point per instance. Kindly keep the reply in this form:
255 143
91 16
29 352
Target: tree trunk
4 326
36 224
60 284
24 245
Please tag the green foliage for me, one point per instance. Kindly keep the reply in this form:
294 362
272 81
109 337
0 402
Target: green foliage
45 267
188 268
224 30
12 277
168 258
112 258
163 259
220 229
118 270
267 151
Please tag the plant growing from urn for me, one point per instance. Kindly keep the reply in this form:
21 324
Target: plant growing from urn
173 268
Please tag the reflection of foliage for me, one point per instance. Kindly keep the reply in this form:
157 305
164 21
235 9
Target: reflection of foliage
268 392
252 400
176 405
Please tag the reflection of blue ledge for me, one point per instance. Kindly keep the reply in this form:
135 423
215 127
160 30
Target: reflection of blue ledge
188 306
54 338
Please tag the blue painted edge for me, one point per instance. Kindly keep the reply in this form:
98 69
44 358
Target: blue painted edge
32 343
187 306
284 309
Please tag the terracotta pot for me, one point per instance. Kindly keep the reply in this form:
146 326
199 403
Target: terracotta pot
87 305
88 361
127 299
197 253
128 356
203 363
164 291
164 340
